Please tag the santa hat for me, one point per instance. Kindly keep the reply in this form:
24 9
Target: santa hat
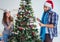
49 4
6 10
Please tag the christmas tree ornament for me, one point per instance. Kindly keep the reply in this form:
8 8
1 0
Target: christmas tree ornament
22 7
33 33
16 14
19 10
21 28
20 16
24 2
26 12
23 11
31 20
15 33
31 26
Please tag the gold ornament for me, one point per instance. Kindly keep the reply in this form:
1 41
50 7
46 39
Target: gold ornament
21 16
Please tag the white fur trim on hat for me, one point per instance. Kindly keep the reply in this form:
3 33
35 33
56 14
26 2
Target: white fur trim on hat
47 4
6 10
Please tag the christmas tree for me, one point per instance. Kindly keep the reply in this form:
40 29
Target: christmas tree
24 29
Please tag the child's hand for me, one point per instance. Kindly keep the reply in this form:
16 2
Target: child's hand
11 23
38 19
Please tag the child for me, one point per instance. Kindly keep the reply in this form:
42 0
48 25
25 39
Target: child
8 25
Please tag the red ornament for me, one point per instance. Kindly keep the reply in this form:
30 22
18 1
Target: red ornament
31 26
16 14
26 13
33 33
23 23
21 28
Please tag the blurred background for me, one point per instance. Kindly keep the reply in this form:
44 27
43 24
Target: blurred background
37 6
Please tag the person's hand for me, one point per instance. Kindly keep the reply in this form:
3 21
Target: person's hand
41 24
38 19
0 34
11 23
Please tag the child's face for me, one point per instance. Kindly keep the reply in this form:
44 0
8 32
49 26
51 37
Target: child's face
8 14
46 8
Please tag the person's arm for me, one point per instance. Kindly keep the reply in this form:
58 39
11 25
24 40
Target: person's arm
8 27
39 20
53 23
47 25
5 26
50 25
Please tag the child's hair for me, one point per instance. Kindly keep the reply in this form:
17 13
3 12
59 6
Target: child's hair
5 18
